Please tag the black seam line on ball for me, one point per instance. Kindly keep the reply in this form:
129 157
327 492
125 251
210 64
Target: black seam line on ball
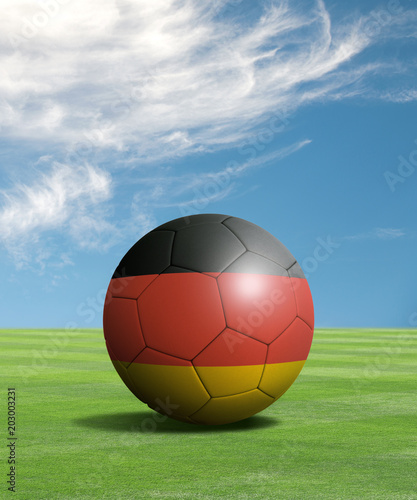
266 394
194 224
134 298
305 322
238 393
186 269
234 234
292 265
249 336
204 348
228 396
172 249
180 271
257 253
138 354
234 260
160 352
283 331
147 256
201 407
205 273
140 326
221 302
295 302
260 255
274 261
201 382
263 369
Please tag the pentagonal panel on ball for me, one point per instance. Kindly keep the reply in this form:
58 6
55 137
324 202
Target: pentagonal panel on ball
258 302
232 363
122 329
166 383
181 313
209 247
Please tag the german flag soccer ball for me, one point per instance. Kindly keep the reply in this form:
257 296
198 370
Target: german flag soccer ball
208 319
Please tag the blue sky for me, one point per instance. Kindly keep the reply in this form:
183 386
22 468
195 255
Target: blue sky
118 116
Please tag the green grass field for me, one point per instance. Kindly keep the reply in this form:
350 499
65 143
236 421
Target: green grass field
345 429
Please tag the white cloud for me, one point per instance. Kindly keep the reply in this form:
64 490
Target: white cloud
65 198
143 81
388 233
379 233
197 190
165 78
401 96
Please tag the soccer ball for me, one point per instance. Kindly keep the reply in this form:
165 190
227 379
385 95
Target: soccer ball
208 319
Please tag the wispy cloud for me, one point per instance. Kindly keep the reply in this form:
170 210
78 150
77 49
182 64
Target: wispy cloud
379 233
65 199
74 202
400 96
141 81
197 190
167 78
